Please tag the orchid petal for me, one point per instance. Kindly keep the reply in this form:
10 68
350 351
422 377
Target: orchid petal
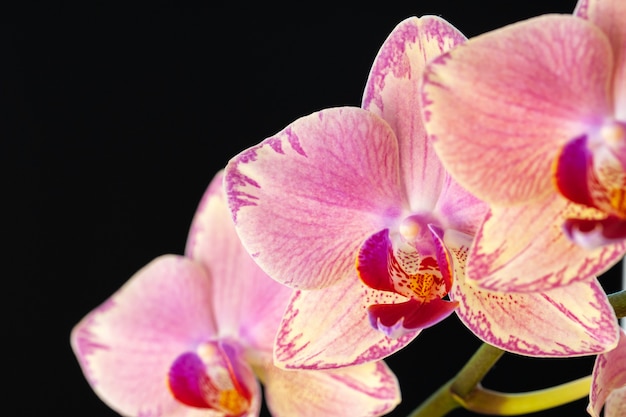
572 320
241 291
304 200
365 390
506 257
329 328
608 386
372 262
127 345
461 210
608 15
392 92
396 320
511 114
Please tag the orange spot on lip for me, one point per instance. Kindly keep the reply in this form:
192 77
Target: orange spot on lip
617 198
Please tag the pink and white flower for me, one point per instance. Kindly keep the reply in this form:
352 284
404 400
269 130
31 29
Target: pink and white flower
351 207
189 336
531 118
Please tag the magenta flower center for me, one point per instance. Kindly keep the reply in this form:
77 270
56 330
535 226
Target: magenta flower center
211 377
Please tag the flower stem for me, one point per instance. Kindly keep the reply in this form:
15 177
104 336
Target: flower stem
485 401
438 404
475 369
618 301
446 398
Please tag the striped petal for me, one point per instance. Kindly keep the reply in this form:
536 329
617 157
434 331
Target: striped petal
241 292
608 15
329 328
500 105
572 320
305 200
392 92
523 248
608 386
365 390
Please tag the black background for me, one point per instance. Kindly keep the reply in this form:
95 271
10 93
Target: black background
115 119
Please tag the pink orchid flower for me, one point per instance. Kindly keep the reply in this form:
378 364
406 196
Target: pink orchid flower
186 336
352 207
531 118
608 386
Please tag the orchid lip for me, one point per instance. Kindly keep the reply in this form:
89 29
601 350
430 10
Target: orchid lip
211 377
591 171
406 263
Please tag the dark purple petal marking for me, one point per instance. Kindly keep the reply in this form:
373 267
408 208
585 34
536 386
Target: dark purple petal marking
571 171
372 262
396 320
592 234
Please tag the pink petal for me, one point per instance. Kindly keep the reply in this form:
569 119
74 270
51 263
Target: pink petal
573 320
461 210
127 345
248 305
393 90
615 405
500 105
523 248
364 390
396 320
608 15
329 328
306 199
609 382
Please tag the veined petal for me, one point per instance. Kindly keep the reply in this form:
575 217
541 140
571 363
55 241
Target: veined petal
572 320
524 249
304 200
248 305
127 345
329 328
459 209
365 390
516 95
608 387
392 92
608 15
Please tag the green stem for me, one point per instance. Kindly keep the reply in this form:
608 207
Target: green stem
475 369
438 404
618 301
445 399
488 402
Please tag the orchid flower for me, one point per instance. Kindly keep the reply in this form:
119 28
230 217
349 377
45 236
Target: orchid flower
608 386
186 336
351 207
531 118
